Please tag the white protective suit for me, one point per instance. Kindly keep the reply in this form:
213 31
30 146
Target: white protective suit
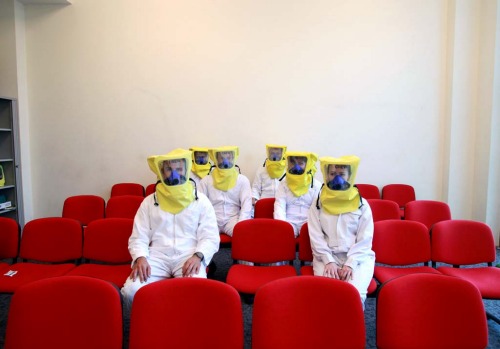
293 209
230 206
167 240
345 239
263 185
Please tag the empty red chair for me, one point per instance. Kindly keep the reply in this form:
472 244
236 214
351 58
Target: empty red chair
127 189
427 212
264 208
471 243
399 245
261 241
430 311
9 240
384 209
308 312
368 191
400 193
65 312
84 208
105 250
124 206
150 189
162 315
55 242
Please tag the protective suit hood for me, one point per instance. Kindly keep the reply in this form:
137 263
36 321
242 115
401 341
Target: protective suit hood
301 167
224 173
174 192
276 160
201 165
339 195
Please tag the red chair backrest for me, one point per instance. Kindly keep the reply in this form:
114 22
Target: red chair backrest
368 191
75 312
398 242
106 240
401 193
430 311
305 250
162 309
264 208
384 209
307 312
263 240
427 211
84 208
9 238
127 189
462 242
54 239
150 189
124 206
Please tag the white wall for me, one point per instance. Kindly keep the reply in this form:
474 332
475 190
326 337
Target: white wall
111 82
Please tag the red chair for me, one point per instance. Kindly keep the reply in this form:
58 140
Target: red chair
127 189
306 258
467 243
49 247
398 244
308 312
65 312
400 193
384 209
150 189
105 250
368 191
225 240
261 241
163 311
84 208
430 311
427 212
124 206
264 208
9 240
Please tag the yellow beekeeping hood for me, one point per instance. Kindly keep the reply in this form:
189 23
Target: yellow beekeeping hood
275 161
301 167
174 192
201 165
339 194
224 173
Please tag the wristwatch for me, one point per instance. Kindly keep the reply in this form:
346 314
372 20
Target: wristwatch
199 255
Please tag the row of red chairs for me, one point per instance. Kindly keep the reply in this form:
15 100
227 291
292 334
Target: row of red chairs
87 208
57 246
413 311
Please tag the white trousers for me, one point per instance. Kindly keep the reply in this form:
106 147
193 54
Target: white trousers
161 269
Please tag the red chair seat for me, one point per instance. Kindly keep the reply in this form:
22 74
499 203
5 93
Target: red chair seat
225 239
116 274
384 274
28 272
486 279
306 270
248 279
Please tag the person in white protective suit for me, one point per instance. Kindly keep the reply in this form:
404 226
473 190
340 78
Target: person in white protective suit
201 164
227 189
298 190
175 229
341 227
267 177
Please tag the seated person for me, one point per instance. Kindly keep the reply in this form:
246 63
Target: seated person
341 227
227 189
298 190
175 230
267 178
201 165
